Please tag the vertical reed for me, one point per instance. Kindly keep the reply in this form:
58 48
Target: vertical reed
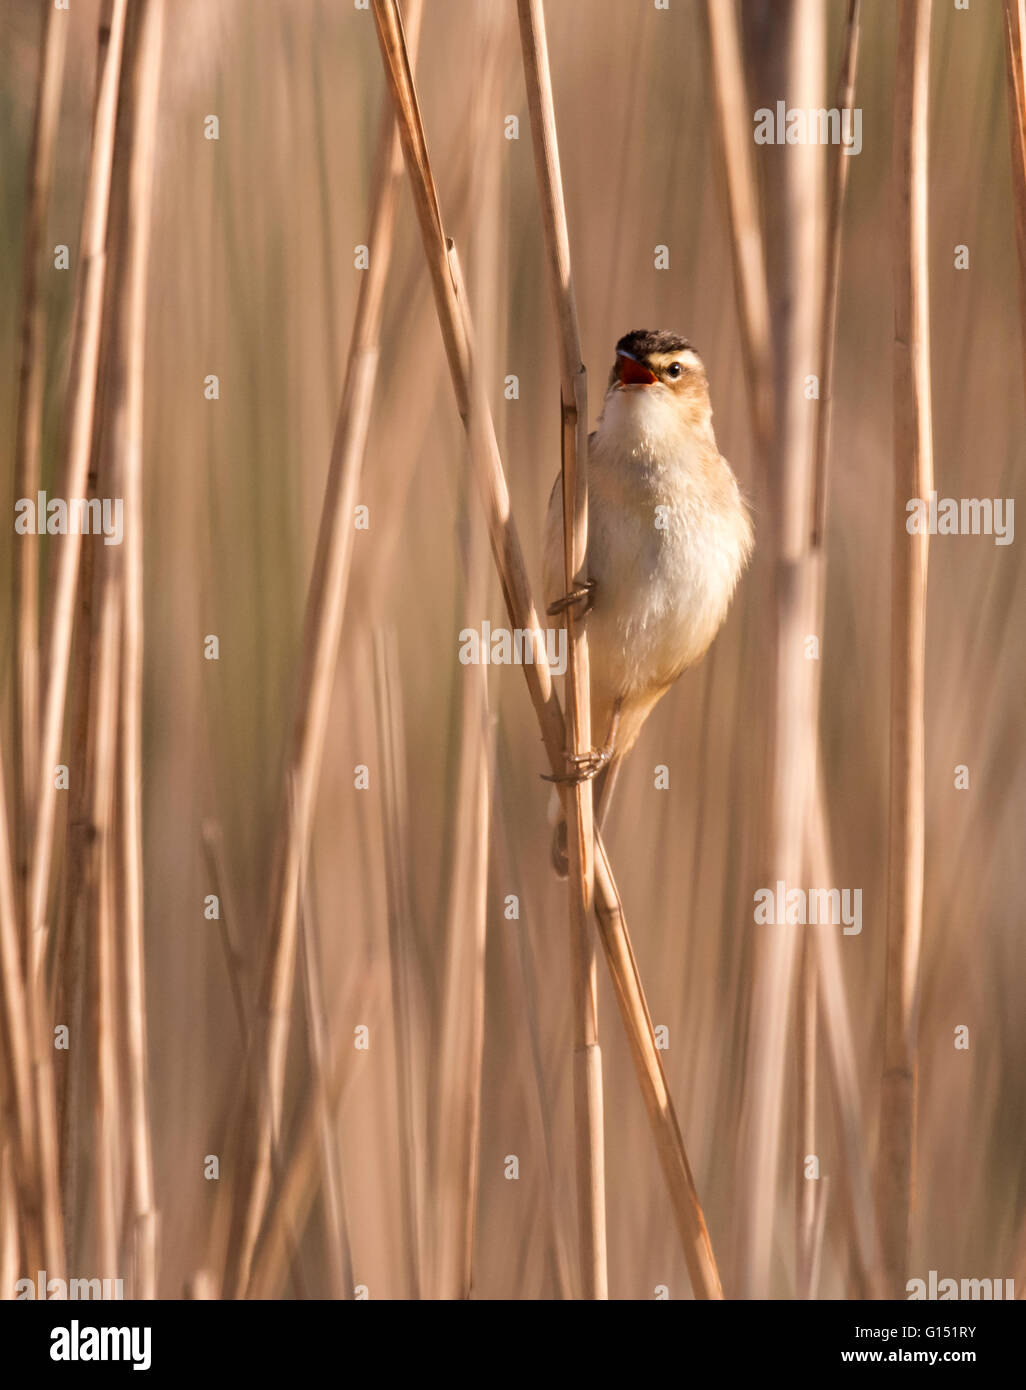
792 60
840 163
589 1128
734 144
78 431
20 1151
318 1034
395 804
145 77
913 478
28 438
456 1111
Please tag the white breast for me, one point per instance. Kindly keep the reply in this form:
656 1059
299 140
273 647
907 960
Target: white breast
665 547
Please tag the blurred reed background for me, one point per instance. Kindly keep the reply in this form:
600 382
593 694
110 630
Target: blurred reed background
252 277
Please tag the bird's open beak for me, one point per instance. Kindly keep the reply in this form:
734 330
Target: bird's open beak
631 372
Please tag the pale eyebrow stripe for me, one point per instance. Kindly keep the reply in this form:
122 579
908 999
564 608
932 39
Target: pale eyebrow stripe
687 357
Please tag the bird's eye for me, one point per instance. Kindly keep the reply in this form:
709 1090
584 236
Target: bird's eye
674 370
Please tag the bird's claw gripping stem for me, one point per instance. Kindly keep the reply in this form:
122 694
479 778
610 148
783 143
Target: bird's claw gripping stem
583 593
584 766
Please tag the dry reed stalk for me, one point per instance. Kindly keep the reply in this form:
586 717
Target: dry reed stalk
478 804
792 59
732 111
144 88
462 1046
95 857
320 125
297 1176
589 1129
243 1005
74 956
809 1191
630 999
82 979
817 1237
90 917
394 804
456 1114
100 762
734 136
10 1224
81 970
322 629
913 478
842 1070
698 856
1015 54
331 1168
517 944
298 1181
234 960
479 745
78 429
14 1029
28 438
840 165
811 1211
628 116
453 320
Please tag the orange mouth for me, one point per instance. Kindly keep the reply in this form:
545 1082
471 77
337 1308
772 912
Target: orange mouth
632 372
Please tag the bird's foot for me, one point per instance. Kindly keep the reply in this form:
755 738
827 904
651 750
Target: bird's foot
582 767
583 593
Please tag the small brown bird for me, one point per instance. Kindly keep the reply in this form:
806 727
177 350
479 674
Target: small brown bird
669 535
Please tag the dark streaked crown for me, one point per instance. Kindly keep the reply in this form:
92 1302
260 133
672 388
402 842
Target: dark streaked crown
644 341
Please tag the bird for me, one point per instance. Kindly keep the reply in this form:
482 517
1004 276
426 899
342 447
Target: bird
669 536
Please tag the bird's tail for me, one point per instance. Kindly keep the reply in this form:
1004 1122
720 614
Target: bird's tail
601 796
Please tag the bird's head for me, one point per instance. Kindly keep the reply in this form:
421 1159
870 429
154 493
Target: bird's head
656 363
